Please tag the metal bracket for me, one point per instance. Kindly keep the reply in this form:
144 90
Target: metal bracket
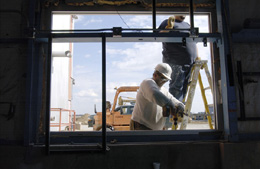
219 42
205 42
117 32
194 32
183 41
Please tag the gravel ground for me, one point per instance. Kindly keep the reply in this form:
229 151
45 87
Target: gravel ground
193 125
198 125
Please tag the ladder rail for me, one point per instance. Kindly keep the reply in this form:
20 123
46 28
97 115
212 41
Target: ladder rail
205 101
191 94
184 98
205 66
188 98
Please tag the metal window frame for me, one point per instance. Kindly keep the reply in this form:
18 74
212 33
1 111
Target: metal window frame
127 136
230 126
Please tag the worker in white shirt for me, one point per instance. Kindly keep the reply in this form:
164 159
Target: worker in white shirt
150 100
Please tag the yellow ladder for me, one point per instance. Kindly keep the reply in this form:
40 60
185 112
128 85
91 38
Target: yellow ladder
195 76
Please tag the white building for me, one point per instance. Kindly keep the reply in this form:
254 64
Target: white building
61 77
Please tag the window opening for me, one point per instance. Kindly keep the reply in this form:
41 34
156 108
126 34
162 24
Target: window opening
76 89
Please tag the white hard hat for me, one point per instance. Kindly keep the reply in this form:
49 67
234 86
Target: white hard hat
164 69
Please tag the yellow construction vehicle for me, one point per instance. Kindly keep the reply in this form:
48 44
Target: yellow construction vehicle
119 117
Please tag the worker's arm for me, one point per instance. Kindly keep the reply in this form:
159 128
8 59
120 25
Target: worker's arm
162 98
178 106
153 94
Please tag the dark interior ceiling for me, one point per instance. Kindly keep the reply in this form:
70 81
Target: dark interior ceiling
143 3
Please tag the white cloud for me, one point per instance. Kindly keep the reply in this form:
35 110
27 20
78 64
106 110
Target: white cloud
143 56
87 56
79 70
85 93
140 21
97 100
79 67
92 20
112 52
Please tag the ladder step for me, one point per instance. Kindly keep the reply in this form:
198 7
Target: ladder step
207 88
195 77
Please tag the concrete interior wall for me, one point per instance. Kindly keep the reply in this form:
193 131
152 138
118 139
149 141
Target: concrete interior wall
188 155
13 68
240 11
13 87
248 54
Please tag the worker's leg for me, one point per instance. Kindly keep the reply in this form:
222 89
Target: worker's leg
176 84
137 126
132 125
180 79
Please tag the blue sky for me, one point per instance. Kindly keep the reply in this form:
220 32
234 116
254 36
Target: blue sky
127 63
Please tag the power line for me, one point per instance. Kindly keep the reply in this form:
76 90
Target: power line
122 19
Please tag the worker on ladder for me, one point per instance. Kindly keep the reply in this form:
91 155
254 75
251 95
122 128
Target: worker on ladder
196 77
180 56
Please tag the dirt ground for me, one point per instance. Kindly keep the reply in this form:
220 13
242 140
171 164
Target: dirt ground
193 125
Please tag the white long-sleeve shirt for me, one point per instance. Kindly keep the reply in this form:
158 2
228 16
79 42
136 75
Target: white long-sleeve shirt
150 99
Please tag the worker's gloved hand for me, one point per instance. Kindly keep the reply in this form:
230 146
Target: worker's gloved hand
170 22
168 109
180 108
